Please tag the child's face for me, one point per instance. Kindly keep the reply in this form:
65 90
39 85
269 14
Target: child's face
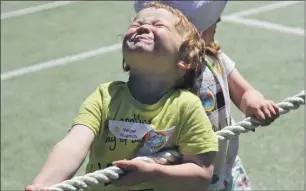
209 34
152 33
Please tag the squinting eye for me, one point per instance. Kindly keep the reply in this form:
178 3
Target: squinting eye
159 25
134 25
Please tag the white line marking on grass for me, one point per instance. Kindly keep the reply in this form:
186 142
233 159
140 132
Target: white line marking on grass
115 47
59 62
269 7
265 25
35 9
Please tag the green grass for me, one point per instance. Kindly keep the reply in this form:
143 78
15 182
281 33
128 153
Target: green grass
38 108
7 6
62 31
236 6
291 16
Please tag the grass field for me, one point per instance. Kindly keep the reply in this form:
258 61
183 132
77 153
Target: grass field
38 102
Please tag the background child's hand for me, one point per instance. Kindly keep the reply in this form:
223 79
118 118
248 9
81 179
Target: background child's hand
256 106
137 172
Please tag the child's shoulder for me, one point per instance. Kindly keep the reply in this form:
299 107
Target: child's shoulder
185 97
185 103
225 60
111 87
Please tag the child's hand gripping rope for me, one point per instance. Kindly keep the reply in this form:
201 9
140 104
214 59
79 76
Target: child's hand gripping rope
255 105
264 111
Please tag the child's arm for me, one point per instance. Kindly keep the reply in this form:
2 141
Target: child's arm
65 158
250 101
194 174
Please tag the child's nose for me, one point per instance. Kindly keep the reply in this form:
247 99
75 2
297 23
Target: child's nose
144 29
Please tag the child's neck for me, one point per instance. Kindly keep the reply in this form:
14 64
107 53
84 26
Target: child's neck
148 89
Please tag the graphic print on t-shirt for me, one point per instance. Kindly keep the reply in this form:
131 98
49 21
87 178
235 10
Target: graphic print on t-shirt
212 98
157 140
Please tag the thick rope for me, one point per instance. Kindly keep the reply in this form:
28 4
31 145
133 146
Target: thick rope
172 156
106 175
250 123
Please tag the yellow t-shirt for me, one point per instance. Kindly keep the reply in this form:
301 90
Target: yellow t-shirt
125 128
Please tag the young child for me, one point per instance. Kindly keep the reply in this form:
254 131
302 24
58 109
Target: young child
154 110
221 82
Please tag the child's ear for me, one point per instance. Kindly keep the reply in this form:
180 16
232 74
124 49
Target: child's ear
182 65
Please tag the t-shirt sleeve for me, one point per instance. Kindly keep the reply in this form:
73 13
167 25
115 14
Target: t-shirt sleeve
90 112
196 135
227 63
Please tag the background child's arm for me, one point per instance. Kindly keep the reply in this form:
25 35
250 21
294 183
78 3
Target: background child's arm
66 157
250 101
